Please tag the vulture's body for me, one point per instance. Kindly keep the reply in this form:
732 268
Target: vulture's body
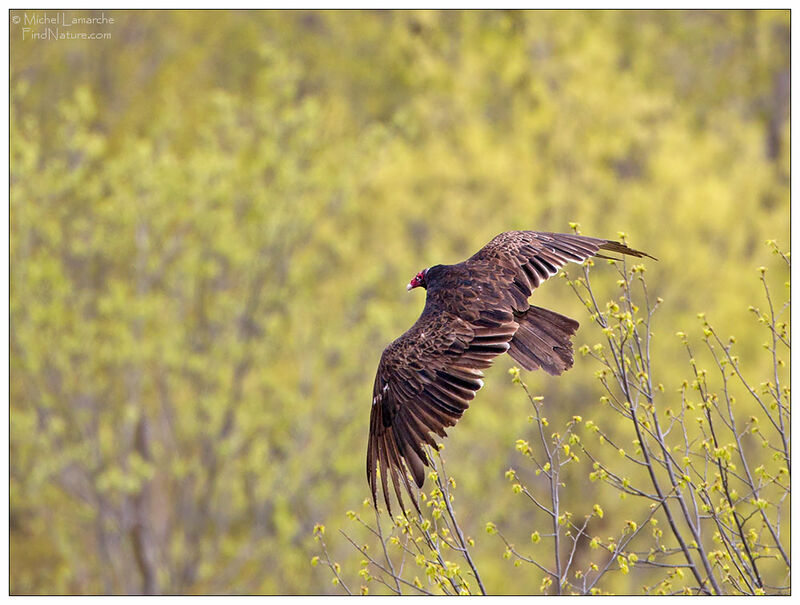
474 311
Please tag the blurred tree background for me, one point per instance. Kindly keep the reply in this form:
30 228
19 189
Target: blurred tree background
214 215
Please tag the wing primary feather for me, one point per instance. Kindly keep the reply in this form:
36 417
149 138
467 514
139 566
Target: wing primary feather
564 251
619 248
417 468
412 452
412 445
581 246
372 458
434 418
418 429
398 470
385 470
568 245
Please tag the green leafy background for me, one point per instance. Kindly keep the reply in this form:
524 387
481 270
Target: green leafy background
214 216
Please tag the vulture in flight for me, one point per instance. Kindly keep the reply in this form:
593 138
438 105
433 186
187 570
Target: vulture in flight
474 311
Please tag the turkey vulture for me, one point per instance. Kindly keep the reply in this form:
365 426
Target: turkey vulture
474 311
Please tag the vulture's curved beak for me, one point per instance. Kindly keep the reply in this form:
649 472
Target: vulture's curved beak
409 287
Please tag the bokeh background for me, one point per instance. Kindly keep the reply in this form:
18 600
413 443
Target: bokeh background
214 216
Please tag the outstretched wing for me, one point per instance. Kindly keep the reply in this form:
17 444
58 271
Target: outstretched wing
425 381
517 262
428 376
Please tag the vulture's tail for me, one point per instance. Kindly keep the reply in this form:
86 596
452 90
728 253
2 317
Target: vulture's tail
543 340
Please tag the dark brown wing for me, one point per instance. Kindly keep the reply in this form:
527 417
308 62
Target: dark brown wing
425 381
517 262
